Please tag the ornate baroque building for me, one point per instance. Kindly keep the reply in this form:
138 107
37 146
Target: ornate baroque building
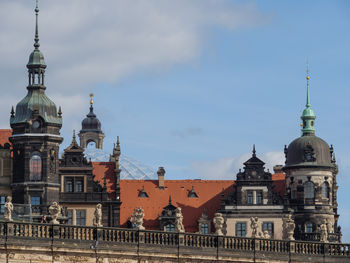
31 170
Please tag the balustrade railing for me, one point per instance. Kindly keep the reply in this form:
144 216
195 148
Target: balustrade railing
37 232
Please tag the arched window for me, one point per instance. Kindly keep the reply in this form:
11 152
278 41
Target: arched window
170 228
35 169
325 190
309 190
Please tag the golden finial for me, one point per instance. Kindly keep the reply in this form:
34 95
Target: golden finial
91 98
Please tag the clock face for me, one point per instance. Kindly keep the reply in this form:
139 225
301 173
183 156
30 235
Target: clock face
36 124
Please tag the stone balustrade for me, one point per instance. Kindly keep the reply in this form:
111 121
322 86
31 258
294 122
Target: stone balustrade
117 238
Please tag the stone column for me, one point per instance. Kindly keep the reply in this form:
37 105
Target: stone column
74 217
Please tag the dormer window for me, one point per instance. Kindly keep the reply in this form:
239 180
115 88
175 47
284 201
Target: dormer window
192 193
143 193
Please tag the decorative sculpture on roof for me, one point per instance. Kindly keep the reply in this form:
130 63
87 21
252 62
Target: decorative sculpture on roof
254 226
137 218
218 223
54 211
179 227
97 221
8 209
288 227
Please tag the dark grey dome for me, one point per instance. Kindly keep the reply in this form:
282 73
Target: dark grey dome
308 150
91 123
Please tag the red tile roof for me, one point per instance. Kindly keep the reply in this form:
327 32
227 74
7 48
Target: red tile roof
4 136
208 191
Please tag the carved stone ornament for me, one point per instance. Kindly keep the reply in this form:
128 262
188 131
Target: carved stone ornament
288 227
54 211
8 207
218 223
97 221
137 218
179 227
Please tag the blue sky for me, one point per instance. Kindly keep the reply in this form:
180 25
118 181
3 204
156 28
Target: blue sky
191 85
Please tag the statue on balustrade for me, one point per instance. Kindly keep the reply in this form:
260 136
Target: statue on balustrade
54 211
324 233
8 209
288 227
179 227
137 218
254 226
218 223
97 221
265 234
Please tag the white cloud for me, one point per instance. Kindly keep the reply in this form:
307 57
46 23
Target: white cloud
227 167
86 41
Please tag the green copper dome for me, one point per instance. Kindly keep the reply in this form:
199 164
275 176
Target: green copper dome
36 59
36 100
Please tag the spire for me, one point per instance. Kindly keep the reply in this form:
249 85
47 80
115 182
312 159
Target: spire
12 112
308 117
254 152
36 38
169 199
308 105
118 147
59 111
74 140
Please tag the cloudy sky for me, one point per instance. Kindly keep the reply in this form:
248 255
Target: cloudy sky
189 85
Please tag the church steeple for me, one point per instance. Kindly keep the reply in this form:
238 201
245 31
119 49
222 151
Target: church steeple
36 64
308 117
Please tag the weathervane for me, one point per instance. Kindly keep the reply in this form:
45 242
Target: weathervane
91 99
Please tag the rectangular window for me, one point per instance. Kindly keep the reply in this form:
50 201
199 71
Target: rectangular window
204 229
241 229
35 200
309 228
259 197
68 184
250 197
70 216
268 226
2 204
79 184
81 217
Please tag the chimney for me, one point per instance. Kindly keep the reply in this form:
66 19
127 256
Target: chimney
161 173
278 169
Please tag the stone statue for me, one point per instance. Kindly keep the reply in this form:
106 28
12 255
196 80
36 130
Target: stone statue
54 211
179 227
218 223
288 227
8 209
330 226
323 232
137 218
98 215
266 235
254 226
